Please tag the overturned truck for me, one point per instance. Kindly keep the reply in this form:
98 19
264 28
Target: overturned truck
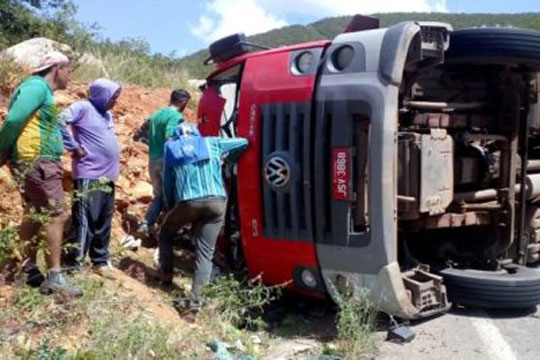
404 161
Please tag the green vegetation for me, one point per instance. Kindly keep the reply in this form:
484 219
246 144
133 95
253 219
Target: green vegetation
108 328
356 325
19 20
107 323
330 27
48 352
10 75
121 63
239 303
137 336
130 61
9 243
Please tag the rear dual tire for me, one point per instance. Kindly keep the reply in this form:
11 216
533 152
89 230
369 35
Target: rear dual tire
495 46
514 287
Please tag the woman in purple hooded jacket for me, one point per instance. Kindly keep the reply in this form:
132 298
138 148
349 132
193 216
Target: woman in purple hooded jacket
94 146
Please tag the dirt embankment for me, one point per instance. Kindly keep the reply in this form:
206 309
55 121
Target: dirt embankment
133 191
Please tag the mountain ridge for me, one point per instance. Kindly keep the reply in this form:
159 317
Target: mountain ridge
330 27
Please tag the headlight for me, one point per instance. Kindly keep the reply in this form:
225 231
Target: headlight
308 278
305 62
343 57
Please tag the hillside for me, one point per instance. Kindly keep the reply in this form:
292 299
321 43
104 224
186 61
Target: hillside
128 315
330 27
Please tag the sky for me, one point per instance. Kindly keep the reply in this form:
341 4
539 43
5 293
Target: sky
181 27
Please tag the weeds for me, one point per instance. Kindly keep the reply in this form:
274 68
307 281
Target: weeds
238 302
27 299
103 184
356 325
105 328
129 337
125 67
10 246
11 74
46 351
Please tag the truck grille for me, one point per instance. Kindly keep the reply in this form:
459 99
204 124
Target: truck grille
286 141
321 168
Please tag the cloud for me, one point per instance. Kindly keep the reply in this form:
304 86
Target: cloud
225 17
324 8
204 27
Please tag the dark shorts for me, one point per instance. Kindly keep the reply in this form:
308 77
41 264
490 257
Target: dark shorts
42 187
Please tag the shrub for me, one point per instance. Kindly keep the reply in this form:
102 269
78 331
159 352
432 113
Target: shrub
239 302
11 74
130 68
356 325
46 351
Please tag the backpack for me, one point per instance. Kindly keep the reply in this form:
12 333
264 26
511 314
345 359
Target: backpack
185 149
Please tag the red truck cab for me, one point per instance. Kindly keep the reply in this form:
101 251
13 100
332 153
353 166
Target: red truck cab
276 230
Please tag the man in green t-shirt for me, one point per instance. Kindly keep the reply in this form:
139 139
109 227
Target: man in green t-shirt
161 126
32 140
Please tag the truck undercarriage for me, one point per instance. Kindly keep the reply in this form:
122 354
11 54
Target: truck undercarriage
465 129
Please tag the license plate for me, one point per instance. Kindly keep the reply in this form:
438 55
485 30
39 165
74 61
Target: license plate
342 173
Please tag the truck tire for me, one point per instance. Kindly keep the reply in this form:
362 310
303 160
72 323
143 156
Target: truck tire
495 46
513 287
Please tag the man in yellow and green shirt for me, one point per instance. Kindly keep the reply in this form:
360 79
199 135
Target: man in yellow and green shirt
31 137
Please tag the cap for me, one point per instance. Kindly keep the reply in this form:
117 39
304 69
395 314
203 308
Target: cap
51 59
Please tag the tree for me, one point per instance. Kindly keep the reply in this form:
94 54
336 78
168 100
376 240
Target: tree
21 20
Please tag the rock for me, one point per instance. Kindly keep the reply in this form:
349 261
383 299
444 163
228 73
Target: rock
196 82
255 339
143 192
30 52
129 242
189 115
131 111
293 349
136 170
90 60
239 346
123 184
5 177
130 223
121 204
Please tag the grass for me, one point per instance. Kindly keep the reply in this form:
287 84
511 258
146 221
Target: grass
101 326
121 66
126 68
10 245
356 325
46 351
136 336
239 302
11 74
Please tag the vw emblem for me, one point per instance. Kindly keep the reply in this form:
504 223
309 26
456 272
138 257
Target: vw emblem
277 172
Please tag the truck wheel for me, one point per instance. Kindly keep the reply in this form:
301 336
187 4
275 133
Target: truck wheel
513 287
496 46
